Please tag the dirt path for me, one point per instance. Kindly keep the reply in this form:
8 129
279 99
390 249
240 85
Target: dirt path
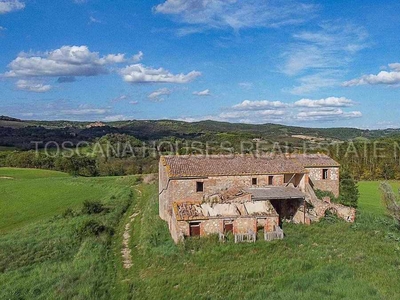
126 237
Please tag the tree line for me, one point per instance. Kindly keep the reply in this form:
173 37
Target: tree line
363 159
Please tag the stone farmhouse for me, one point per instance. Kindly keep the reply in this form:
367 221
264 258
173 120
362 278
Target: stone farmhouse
243 194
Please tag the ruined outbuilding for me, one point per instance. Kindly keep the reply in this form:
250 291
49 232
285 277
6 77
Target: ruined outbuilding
243 194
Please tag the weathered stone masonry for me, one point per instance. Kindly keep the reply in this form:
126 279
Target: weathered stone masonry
205 195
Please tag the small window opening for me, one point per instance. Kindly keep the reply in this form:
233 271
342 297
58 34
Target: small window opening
270 180
199 186
324 173
254 181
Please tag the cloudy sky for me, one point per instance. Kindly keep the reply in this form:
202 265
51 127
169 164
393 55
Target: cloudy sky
307 63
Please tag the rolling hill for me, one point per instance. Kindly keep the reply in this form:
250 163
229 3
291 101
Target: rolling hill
19 133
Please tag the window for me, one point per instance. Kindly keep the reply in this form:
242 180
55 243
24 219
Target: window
270 180
254 181
324 173
199 186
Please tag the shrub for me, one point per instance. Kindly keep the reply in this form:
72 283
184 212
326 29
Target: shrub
348 194
321 194
69 212
391 201
90 228
92 207
330 217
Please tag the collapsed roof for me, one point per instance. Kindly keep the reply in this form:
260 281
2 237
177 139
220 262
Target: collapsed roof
257 204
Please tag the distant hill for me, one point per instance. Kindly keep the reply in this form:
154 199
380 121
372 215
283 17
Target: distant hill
19 133
6 121
6 118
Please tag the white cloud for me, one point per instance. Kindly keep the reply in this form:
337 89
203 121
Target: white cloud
314 82
203 93
65 61
139 73
114 58
94 20
395 67
258 105
220 14
383 77
137 57
327 115
259 112
2 28
327 102
61 109
269 113
321 56
114 118
331 46
7 6
32 86
85 111
155 96
120 98
246 85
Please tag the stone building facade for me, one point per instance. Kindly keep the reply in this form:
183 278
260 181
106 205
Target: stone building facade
242 194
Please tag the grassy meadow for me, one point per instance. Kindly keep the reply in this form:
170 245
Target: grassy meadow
328 260
27 195
68 254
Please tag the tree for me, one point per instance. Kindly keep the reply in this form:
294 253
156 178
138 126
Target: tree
348 194
390 201
77 165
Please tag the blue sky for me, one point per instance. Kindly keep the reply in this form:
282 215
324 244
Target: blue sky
307 63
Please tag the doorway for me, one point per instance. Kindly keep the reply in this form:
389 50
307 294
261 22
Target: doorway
228 227
194 229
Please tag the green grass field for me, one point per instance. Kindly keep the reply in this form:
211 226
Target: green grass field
370 198
49 256
322 261
27 195
18 173
48 251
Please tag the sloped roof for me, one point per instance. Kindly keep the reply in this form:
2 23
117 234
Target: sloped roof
236 165
314 160
275 193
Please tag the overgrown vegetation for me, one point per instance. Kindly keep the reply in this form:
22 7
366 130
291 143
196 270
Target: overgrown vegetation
348 190
348 193
327 260
69 255
76 255
391 201
92 207
321 194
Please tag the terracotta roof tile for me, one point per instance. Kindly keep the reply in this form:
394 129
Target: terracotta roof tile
314 160
233 165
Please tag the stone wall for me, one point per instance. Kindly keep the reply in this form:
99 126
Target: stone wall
330 184
270 224
211 226
245 225
178 229
185 189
